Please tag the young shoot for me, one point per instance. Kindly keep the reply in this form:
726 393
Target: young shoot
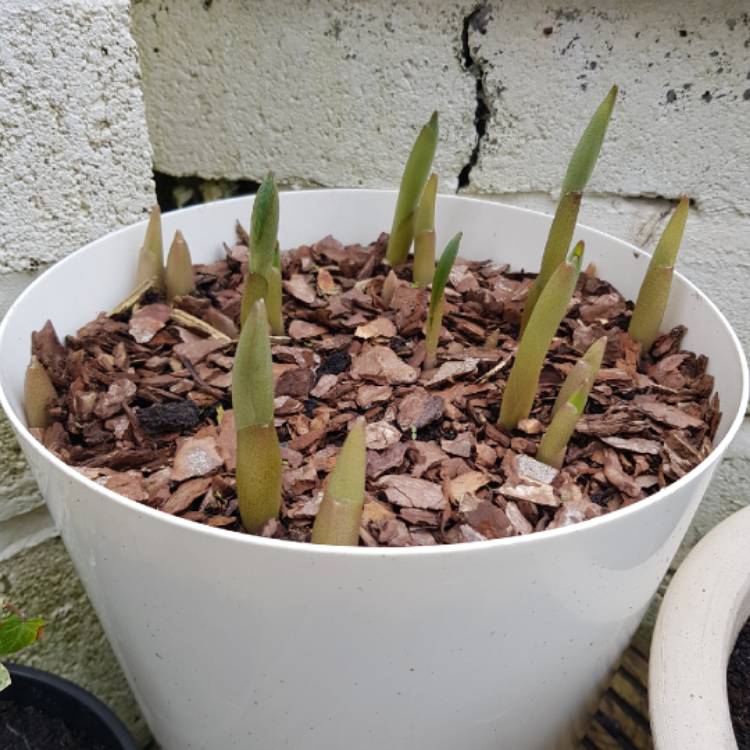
437 300
38 394
424 235
389 288
180 278
555 441
258 451
585 370
413 182
563 225
274 299
535 341
151 256
657 283
340 512
264 227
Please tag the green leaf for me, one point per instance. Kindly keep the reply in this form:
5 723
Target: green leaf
435 313
425 218
653 295
424 235
579 171
585 369
587 151
554 443
340 512
579 398
549 311
443 269
256 288
17 632
252 378
4 678
413 182
555 249
264 226
347 480
259 474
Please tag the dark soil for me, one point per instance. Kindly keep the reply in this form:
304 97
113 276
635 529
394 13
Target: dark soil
145 401
28 728
738 685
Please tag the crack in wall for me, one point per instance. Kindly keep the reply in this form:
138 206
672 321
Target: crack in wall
477 20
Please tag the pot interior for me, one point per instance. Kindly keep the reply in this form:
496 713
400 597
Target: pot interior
99 275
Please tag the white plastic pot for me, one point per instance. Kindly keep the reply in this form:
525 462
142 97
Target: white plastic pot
705 607
234 641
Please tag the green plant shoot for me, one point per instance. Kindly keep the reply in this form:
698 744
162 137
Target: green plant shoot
264 228
16 632
424 235
437 300
657 283
39 392
564 223
340 512
258 451
535 341
274 299
413 182
555 441
585 370
180 278
151 256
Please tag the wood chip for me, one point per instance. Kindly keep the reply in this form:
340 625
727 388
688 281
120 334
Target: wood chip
408 492
380 364
301 329
381 435
451 370
419 408
196 457
378 328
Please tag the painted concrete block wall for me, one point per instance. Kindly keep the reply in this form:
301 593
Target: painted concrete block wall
330 94
75 163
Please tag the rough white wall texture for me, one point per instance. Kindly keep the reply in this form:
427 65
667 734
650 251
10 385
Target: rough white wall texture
76 160
75 163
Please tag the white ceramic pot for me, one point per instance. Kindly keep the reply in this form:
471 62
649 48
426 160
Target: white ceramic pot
231 641
705 607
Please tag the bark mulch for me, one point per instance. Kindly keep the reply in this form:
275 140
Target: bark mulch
145 401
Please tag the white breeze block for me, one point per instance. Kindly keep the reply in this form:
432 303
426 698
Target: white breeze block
683 117
75 160
323 93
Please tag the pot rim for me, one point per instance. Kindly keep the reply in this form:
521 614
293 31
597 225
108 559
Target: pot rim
705 607
324 549
90 703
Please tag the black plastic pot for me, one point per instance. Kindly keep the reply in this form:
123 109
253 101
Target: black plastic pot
62 699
